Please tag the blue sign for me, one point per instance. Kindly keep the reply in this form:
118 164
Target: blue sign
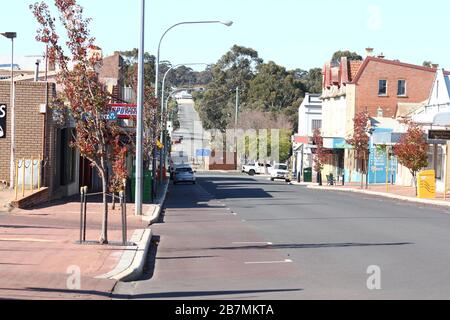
203 153
112 116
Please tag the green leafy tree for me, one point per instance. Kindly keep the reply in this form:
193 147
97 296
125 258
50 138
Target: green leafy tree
274 89
235 69
336 58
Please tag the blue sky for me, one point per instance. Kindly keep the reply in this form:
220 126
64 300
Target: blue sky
293 33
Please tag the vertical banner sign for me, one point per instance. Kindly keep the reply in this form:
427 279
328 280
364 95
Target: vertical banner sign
2 121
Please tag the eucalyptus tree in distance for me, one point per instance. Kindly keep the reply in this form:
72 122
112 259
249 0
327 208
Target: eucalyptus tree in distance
84 99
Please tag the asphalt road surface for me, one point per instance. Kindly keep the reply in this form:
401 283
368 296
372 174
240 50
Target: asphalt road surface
241 237
191 130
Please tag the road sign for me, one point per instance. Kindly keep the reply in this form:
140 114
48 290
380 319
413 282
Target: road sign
439 135
203 153
3 109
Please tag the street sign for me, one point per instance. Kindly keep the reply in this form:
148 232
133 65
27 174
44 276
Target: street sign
439 135
3 109
203 153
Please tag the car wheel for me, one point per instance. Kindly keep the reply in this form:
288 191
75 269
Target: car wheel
272 179
251 172
287 180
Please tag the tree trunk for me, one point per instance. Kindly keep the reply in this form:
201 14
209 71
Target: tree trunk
104 235
415 182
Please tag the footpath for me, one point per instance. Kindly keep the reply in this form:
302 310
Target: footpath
40 257
391 191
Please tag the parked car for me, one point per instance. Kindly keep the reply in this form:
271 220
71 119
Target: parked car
183 174
256 168
280 171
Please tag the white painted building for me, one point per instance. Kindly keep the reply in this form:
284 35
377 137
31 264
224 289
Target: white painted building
435 115
309 119
309 115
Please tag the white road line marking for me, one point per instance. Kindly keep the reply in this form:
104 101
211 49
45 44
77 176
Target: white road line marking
268 243
270 262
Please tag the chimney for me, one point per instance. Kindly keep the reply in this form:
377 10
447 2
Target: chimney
369 52
381 56
435 65
36 71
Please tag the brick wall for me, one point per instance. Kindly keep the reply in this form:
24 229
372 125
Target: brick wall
30 125
418 85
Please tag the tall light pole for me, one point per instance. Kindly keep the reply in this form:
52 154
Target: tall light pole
12 36
226 23
164 109
236 125
139 119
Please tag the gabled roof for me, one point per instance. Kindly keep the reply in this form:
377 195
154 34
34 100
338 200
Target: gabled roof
390 62
440 92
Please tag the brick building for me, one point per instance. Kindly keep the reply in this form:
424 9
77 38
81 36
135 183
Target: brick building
376 85
37 135
35 132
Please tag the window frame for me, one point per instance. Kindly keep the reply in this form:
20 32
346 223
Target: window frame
379 87
398 87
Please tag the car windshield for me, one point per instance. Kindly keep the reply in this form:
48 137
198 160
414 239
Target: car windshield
184 170
281 167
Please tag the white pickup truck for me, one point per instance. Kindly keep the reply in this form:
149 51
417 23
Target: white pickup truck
256 168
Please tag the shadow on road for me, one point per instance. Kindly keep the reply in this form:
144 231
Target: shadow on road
310 246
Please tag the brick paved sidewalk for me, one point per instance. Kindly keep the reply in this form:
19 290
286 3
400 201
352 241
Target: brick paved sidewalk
38 246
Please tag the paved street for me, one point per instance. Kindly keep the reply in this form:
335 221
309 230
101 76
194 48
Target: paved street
240 237
190 129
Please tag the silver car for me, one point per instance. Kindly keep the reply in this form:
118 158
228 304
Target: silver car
184 174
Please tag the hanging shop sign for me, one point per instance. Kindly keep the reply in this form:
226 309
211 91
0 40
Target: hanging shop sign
3 109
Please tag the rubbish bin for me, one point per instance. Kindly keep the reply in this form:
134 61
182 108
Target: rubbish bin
307 175
426 184
147 188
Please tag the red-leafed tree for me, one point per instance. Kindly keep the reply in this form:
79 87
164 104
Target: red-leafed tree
84 99
360 140
321 155
412 151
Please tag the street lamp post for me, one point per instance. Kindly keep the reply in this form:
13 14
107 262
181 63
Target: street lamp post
12 36
226 23
139 118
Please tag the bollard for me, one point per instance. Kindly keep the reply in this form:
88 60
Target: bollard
32 174
81 213
85 189
39 173
23 178
16 180
125 208
121 199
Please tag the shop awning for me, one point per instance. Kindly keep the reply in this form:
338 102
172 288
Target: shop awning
441 119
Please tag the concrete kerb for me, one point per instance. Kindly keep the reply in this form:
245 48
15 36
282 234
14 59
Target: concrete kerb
382 194
152 215
132 261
